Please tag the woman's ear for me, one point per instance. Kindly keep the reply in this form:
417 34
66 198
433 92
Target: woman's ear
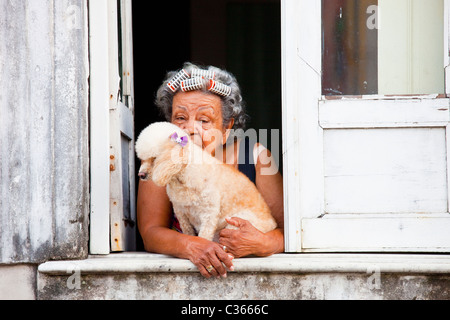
227 131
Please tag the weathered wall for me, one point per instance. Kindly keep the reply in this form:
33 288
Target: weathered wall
244 286
44 160
281 276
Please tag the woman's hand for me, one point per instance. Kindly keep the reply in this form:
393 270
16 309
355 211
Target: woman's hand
209 257
247 240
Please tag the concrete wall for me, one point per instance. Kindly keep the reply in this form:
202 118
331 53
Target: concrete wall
244 286
279 277
44 159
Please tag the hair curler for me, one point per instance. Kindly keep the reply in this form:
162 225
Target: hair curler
206 74
219 88
192 84
175 82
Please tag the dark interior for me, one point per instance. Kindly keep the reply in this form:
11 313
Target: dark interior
243 37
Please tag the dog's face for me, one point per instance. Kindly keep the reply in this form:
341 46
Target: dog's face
145 171
161 154
162 168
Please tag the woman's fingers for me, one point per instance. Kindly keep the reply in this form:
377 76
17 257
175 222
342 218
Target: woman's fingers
211 269
210 258
220 260
215 262
203 271
218 268
226 258
244 240
235 221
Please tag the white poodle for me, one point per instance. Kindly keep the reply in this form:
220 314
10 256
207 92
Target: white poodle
203 190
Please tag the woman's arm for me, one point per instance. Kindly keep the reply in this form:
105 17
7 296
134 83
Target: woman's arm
154 213
248 240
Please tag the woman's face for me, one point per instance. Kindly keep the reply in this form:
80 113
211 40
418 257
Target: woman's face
200 115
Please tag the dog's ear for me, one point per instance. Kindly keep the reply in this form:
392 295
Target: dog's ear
167 164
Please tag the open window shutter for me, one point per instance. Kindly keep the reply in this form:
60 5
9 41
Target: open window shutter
122 182
122 208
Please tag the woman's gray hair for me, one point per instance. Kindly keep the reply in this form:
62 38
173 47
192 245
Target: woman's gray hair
233 106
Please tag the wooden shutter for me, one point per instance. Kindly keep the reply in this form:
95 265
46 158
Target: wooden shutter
122 183
366 173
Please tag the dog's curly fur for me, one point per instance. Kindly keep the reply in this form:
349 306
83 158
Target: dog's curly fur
203 190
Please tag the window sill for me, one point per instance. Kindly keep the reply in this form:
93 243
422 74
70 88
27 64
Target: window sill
140 262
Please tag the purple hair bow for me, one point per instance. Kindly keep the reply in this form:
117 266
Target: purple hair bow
182 141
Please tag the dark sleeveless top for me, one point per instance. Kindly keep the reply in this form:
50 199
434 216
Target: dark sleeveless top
246 165
246 161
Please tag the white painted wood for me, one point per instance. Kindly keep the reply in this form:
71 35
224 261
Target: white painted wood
112 133
383 160
447 81
113 55
396 113
290 98
385 170
447 137
127 48
123 215
99 126
116 195
301 65
358 234
122 208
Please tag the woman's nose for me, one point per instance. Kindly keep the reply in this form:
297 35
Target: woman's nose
192 127
194 130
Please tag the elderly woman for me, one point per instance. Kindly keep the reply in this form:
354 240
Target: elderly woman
200 111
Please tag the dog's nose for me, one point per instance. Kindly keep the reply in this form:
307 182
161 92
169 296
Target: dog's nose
142 176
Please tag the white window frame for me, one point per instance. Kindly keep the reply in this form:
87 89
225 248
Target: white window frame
111 115
301 86
306 113
99 242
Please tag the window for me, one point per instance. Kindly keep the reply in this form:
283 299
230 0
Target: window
382 47
367 171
